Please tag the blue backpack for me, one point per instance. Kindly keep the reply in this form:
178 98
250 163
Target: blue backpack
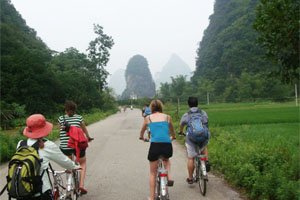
147 111
196 127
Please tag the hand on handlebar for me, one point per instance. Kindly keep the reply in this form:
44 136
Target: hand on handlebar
181 134
145 140
90 139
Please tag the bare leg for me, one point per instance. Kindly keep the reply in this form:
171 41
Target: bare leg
167 165
205 152
153 170
82 162
190 166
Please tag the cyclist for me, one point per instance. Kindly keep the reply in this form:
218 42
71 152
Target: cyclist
161 143
146 110
190 145
38 128
74 120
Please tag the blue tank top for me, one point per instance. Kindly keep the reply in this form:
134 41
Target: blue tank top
160 131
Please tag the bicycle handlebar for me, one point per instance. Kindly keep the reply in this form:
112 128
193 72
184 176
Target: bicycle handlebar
181 134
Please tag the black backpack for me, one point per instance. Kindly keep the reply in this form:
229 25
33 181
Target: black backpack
23 179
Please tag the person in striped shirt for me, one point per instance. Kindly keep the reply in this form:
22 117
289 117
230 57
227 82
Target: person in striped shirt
74 120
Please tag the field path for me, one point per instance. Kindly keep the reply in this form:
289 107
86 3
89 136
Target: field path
118 168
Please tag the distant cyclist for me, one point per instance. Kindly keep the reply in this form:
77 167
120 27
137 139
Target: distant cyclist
161 143
146 111
192 143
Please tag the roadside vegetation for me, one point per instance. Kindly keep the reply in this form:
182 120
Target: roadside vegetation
254 145
9 139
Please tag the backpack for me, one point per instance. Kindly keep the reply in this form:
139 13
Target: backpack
147 111
23 179
196 127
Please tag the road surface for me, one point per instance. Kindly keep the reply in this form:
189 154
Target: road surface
118 169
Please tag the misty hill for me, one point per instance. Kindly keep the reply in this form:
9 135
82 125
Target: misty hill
229 45
174 67
117 81
138 78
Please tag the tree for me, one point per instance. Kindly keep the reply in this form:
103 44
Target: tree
98 52
277 22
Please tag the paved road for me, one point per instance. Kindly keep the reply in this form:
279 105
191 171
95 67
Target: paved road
118 168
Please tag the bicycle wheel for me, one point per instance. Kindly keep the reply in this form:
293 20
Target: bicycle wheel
202 182
196 170
76 190
157 188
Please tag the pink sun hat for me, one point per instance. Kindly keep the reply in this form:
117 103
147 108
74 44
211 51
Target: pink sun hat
37 127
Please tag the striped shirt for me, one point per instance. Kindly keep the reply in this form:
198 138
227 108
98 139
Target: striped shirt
75 120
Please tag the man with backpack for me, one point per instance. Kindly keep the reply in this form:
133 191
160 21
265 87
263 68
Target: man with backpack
196 122
28 178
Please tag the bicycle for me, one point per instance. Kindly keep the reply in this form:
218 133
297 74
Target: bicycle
200 173
71 191
161 190
162 182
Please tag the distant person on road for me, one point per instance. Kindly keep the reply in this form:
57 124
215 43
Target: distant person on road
74 120
161 142
38 128
146 110
191 144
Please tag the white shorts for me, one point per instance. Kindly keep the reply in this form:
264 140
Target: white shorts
192 150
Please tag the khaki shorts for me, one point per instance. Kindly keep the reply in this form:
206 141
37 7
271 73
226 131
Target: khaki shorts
192 149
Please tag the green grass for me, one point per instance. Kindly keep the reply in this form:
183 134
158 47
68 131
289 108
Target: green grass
255 145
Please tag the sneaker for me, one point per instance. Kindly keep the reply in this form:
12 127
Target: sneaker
83 190
189 181
170 183
207 164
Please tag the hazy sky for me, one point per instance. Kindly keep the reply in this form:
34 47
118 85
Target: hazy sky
152 28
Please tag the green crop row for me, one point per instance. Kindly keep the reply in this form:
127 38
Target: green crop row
255 146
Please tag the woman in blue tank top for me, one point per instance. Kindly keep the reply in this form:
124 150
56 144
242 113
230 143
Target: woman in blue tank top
161 127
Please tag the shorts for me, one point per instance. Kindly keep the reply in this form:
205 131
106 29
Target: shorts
192 149
160 149
69 152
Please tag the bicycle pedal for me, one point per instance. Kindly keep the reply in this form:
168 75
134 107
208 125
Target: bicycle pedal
170 183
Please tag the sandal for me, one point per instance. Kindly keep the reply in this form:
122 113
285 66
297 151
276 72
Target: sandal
189 181
83 190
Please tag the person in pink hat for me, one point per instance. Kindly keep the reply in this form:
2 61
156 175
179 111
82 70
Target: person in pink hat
38 128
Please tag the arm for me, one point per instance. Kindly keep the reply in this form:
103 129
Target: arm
57 156
181 128
143 129
183 122
84 129
171 129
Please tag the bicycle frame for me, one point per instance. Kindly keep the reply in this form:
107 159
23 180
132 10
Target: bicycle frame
161 181
58 184
72 184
